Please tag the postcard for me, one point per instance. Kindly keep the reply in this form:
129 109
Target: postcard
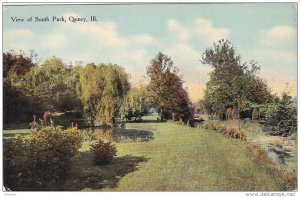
150 97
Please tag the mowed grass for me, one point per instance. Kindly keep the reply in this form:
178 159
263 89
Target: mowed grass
179 158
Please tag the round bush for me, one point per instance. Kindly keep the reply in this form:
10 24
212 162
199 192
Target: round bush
103 152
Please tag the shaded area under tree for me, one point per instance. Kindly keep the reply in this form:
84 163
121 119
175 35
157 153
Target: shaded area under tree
87 175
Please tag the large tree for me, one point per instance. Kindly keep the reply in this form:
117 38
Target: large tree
16 103
17 62
232 83
51 85
102 91
166 90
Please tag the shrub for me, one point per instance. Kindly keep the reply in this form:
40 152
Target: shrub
281 116
103 152
104 135
41 161
232 132
87 135
15 162
53 150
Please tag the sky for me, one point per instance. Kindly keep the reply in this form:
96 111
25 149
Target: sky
130 35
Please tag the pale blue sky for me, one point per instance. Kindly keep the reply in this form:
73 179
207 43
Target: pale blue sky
131 35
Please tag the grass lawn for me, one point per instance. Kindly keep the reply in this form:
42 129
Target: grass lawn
16 131
179 158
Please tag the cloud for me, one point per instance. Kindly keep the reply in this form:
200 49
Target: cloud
22 39
201 28
179 30
187 59
88 42
103 33
280 34
276 51
142 39
205 28
195 74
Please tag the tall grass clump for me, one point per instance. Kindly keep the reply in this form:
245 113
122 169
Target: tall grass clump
231 132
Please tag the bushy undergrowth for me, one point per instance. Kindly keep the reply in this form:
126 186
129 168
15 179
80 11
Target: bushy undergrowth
232 132
41 161
15 162
287 180
100 134
252 129
103 152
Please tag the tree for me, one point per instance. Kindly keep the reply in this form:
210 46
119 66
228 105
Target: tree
135 104
16 103
165 89
280 115
51 86
232 84
18 63
102 90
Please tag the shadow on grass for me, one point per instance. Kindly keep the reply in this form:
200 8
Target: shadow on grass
86 175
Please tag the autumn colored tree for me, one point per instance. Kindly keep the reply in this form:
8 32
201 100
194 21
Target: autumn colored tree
18 63
166 90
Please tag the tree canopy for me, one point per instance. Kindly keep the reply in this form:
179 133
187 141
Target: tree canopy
231 83
166 90
103 89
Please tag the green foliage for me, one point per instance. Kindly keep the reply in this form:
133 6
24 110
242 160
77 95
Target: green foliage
102 90
103 152
282 116
41 161
135 104
231 82
98 134
16 102
51 86
166 92
16 105
53 150
15 162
